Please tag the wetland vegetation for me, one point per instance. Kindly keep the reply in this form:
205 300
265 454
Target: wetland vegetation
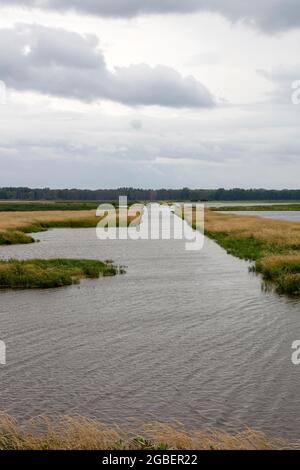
67 433
52 273
274 246
15 226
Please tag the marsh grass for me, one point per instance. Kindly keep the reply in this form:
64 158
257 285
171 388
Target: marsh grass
15 225
274 245
79 433
52 273
283 270
273 207
13 237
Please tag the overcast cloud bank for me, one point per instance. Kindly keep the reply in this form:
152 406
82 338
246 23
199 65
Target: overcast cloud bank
270 15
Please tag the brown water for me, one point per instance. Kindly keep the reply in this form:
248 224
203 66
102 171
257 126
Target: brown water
185 335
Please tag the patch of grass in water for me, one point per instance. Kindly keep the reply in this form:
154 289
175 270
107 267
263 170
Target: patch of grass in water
14 237
52 273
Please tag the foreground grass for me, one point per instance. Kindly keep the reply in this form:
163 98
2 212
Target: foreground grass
274 245
262 208
41 274
84 434
15 226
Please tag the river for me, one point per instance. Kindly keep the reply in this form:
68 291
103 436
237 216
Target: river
182 335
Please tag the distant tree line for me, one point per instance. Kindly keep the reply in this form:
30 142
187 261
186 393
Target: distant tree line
185 194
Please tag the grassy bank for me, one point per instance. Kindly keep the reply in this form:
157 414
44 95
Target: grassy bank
15 225
273 207
274 246
84 434
41 274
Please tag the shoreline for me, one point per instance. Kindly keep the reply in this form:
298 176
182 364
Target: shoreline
80 433
273 246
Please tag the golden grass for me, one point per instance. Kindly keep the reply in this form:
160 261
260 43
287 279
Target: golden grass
275 231
79 433
14 220
25 221
271 261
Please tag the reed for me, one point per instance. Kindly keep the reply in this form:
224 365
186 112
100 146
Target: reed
79 433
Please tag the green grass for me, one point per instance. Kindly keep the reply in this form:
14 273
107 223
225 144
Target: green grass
52 273
15 237
283 271
248 248
273 207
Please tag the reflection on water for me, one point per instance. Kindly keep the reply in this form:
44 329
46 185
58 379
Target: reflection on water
185 335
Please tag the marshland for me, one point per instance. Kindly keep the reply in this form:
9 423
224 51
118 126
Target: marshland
51 273
155 343
274 245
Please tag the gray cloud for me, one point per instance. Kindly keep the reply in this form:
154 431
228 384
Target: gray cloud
66 64
266 14
94 149
282 79
136 124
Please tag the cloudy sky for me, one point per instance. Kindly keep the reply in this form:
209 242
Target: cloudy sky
149 93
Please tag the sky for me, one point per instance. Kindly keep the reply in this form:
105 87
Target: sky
149 93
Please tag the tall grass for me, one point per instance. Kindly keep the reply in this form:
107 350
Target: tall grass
13 225
79 433
41 274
